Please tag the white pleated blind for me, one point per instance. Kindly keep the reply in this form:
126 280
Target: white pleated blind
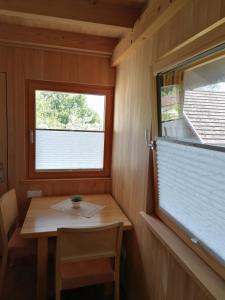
191 183
63 150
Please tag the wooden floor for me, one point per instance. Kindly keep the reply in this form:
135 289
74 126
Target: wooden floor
20 285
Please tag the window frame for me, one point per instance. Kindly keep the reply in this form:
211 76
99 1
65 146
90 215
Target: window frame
169 221
108 91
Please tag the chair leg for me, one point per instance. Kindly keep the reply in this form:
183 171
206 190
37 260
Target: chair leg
57 288
117 290
2 271
58 295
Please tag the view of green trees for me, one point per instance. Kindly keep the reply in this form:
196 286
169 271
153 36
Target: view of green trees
57 110
172 113
171 99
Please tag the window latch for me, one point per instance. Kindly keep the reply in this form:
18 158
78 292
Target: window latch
150 144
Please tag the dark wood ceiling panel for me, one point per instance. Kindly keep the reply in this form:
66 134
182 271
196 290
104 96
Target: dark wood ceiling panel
79 10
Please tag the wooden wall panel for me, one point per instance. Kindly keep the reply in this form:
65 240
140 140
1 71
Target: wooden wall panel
24 63
203 15
152 273
54 39
3 135
130 168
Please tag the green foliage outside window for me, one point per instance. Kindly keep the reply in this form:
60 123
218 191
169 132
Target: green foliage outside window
57 110
173 113
171 107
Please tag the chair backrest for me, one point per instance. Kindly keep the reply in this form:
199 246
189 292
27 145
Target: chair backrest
80 244
8 213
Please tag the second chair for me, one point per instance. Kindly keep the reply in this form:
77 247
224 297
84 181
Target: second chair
88 256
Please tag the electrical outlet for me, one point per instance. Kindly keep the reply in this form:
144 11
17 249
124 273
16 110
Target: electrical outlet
34 193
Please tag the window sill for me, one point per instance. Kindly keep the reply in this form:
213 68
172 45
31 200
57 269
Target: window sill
213 285
55 180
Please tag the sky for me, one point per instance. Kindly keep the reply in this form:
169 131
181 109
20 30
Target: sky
97 103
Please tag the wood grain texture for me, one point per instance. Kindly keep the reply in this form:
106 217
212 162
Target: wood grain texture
42 221
163 16
212 283
70 186
130 167
102 12
194 21
153 18
55 39
3 135
78 27
21 64
207 41
160 274
62 25
94 243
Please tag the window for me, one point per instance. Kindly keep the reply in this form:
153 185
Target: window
70 130
190 155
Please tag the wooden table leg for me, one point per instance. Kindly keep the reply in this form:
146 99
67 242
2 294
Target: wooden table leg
42 264
108 290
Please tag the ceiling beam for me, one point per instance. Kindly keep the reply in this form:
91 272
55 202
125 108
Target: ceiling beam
154 17
91 11
55 39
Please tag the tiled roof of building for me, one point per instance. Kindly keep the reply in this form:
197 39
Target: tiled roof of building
206 113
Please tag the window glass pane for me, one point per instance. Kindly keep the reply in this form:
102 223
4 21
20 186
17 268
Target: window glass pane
69 131
193 103
171 104
61 150
191 184
60 110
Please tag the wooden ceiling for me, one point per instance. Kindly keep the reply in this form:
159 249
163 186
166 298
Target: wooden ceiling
111 18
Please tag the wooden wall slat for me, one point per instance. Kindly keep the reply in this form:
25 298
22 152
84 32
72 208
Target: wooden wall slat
55 39
193 21
3 134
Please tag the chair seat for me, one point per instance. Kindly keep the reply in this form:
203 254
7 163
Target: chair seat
20 247
86 273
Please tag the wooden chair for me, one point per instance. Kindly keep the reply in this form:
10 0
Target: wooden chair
88 256
12 244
